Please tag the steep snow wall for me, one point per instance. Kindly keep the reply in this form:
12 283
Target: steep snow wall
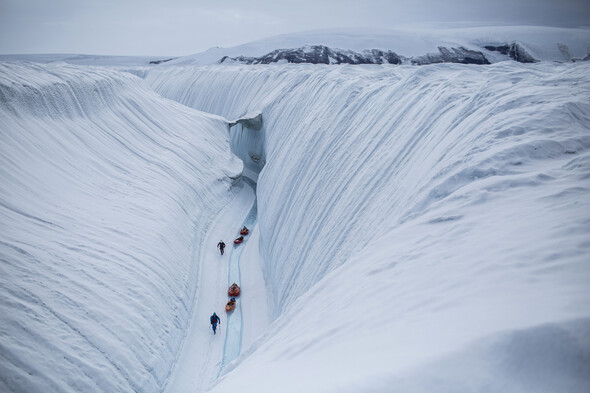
415 222
247 138
105 188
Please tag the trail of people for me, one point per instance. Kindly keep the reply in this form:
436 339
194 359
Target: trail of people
204 356
233 337
199 360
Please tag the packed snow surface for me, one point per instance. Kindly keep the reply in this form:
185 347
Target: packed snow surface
418 228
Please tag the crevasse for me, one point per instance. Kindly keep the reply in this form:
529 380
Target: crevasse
387 143
439 200
247 143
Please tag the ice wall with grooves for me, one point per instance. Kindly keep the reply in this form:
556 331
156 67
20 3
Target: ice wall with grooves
247 138
379 145
103 195
415 222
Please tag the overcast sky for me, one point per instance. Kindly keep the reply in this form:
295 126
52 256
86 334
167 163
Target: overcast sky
182 27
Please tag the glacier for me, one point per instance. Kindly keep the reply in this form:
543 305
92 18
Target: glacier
102 203
418 228
407 214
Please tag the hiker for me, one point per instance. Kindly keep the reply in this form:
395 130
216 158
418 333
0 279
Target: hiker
214 321
221 246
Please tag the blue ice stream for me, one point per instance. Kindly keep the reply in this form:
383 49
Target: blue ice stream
233 336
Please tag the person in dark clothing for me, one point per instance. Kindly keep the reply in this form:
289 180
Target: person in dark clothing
214 321
221 246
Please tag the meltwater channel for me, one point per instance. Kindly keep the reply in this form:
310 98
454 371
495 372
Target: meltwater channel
233 337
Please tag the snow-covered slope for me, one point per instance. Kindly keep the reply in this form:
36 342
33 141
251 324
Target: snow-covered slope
542 43
419 227
105 192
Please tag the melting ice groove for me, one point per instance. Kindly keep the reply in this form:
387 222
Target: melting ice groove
233 336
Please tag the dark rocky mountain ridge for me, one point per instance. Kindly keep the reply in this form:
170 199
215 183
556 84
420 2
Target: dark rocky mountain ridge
320 54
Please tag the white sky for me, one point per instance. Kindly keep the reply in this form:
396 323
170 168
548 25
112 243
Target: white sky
182 27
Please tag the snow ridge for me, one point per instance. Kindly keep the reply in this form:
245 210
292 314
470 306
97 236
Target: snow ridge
101 201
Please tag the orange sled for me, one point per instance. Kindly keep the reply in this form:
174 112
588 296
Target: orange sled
230 305
234 290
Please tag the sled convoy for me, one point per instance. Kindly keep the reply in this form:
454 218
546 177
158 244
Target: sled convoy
243 232
234 289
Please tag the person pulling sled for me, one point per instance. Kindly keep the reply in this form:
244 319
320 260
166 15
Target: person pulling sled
221 246
214 321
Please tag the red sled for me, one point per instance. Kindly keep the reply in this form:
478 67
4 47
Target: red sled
239 240
244 231
234 290
230 305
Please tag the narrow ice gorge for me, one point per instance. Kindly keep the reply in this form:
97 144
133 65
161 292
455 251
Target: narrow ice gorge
415 222
416 226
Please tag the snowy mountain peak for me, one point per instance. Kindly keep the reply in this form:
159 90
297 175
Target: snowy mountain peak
516 52
482 45
321 54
